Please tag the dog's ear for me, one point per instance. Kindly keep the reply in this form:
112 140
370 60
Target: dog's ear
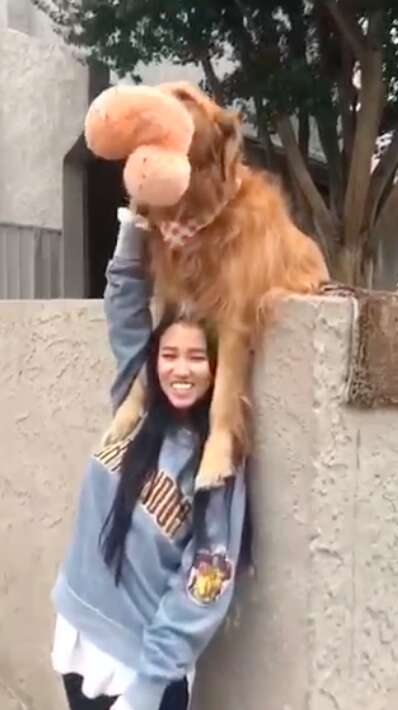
230 126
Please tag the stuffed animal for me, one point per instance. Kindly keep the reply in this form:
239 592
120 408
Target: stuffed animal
150 128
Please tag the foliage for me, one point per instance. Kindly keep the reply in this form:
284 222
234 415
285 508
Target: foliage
292 65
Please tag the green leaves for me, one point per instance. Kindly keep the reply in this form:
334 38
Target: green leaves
287 51
277 59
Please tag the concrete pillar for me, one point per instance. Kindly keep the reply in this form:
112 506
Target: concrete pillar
316 628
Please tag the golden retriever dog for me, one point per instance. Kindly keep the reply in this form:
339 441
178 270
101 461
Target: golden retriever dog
227 248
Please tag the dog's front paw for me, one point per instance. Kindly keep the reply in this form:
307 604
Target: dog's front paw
216 464
121 427
127 417
113 436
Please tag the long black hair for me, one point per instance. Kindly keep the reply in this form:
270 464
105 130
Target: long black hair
140 459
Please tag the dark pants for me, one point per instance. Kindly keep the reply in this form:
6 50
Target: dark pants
176 696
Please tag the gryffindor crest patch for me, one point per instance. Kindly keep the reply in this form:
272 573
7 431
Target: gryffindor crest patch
210 574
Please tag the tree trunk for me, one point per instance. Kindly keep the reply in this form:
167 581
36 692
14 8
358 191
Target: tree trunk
364 145
212 79
382 176
263 134
354 265
300 210
322 218
304 134
372 96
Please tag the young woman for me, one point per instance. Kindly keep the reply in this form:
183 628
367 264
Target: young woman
150 570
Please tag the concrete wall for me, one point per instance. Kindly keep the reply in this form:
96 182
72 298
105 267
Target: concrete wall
53 383
316 628
44 97
19 15
44 94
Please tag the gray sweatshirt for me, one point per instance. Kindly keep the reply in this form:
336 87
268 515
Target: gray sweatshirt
176 586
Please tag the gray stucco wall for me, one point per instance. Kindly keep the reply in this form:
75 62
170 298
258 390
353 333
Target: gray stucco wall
53 382
316 627
44 94
44 97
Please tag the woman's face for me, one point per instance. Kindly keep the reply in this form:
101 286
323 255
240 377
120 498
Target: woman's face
183 366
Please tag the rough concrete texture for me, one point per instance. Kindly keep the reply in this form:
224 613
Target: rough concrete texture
44 98
55 368
316 627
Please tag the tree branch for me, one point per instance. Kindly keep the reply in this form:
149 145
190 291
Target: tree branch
304 134
327 131
301 210
262 132
389 210
247 21
322 216
347 101
381 177
246 45
368 121
348 29
212 78
374 35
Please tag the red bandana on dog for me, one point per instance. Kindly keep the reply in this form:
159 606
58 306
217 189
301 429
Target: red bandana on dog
177 232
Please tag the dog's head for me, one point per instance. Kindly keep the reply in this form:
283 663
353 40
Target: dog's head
215 150
217 136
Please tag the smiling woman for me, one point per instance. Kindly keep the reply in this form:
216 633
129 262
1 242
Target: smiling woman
150 572
184 369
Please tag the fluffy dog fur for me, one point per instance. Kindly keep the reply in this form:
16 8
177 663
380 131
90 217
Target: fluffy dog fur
229 272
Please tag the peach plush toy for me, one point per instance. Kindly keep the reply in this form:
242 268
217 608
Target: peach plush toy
153 131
